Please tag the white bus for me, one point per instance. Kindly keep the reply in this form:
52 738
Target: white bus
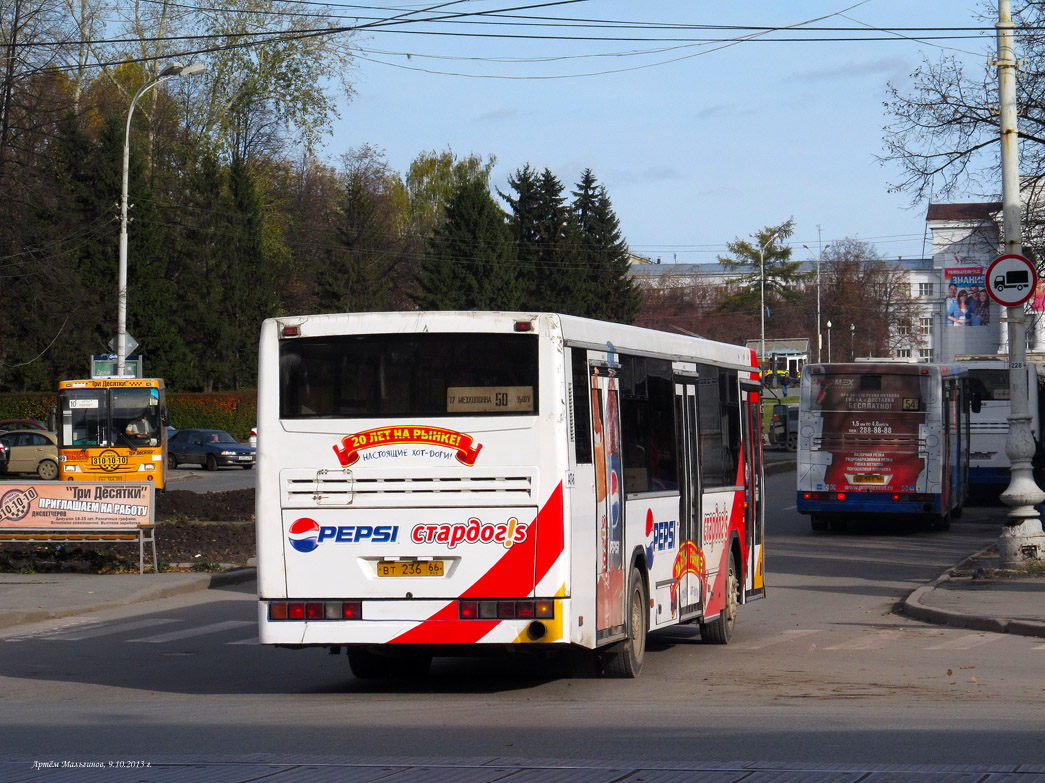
434 482
989 384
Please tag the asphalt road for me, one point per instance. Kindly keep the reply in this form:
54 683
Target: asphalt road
198 479
821 671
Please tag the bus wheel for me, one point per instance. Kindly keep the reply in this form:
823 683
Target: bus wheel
943 522
627 661
818 522
720 630
47 470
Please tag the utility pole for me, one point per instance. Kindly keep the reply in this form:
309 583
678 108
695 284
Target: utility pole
1021 539
819 261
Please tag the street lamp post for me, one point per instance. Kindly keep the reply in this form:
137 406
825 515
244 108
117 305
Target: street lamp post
1022 539
819 331
170 72
852 340
829 342
762 267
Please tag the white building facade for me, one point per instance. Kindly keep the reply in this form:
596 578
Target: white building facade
953 317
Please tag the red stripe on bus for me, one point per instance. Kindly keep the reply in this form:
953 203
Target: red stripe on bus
515 575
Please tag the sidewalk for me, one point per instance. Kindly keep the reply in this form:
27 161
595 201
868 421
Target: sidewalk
32 598
978 595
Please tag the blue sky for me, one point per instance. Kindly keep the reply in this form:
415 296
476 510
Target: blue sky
696 144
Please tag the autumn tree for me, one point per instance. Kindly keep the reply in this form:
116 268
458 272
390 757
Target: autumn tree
432 180
860 289
942 135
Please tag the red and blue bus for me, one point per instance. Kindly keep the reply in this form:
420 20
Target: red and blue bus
883 438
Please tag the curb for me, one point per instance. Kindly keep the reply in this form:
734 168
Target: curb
912 606
777 466
13 617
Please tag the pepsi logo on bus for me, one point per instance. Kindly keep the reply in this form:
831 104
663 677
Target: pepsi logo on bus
305 534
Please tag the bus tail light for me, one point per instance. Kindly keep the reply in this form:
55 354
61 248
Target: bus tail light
527 609
315 610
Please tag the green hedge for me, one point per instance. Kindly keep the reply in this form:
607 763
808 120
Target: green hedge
28 405
234 412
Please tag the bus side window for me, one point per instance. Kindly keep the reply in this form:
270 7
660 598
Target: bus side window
580 406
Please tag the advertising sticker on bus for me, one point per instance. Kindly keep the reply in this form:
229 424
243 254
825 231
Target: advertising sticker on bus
887 409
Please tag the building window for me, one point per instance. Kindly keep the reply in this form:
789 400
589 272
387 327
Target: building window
903 330
925 289
903 353
925 354
925 325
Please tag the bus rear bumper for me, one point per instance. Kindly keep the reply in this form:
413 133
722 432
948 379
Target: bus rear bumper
867 504
438 623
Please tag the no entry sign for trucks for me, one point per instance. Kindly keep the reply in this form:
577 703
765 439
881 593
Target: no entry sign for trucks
1011 280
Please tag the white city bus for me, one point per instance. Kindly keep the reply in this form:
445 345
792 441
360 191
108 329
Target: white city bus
431 483
989 465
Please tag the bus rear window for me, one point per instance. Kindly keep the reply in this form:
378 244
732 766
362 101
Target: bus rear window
408 375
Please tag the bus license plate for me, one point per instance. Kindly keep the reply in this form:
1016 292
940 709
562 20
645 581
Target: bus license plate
411 568
868 478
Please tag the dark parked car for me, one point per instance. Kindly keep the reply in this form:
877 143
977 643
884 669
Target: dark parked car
209 448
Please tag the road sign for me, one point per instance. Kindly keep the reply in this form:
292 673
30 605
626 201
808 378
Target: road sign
1011 280
130 346
104 366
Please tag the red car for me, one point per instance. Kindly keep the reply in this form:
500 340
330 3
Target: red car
22 424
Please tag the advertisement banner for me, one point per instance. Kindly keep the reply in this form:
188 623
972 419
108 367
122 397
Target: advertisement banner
968 303
79 505
872 432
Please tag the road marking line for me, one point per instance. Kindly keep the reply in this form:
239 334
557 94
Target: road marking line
101 629
875 641
197 631
789 508
252 640
783 636
967 642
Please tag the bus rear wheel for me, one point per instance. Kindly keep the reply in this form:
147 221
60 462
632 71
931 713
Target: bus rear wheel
627 660
720 630
818 522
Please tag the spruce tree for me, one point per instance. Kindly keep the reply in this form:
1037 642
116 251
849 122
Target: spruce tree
469 262
605 290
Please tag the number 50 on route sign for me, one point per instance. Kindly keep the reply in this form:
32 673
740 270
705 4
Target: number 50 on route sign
1011 280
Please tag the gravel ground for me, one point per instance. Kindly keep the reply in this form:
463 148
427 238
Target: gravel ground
203 531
